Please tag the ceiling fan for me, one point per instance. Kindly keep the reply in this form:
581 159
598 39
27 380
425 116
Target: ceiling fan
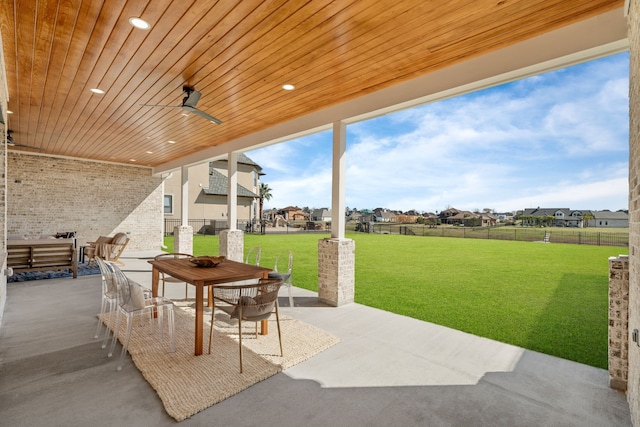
189 103
12 143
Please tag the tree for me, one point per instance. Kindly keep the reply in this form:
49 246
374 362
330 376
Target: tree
586 218
265 194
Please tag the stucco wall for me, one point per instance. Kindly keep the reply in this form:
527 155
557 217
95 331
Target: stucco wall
47 195
633 386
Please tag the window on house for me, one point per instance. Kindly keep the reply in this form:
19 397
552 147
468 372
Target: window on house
255 178
168 203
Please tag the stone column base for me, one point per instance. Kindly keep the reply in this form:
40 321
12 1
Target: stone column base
619 322
232 244
183 239
336 271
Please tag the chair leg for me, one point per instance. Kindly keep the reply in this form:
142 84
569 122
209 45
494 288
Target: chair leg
290 295
211 327
279 335
172 335
126 341
240 334
115 334
103 309
113 305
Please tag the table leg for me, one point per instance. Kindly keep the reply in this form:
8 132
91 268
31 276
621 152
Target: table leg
264 324
199 318
155 278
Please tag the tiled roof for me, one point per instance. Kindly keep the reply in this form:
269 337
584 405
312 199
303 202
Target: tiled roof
218 184
243 159
609 215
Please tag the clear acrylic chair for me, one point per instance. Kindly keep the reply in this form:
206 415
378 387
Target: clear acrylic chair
109 298
132 301
253 256
165 278
284 274
247 303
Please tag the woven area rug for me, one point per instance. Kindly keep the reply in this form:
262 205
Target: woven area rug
83 270
187 384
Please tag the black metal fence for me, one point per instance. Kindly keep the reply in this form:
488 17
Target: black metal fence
213 227
548 234
525 234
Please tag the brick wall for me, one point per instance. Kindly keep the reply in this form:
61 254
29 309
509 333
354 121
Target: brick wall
46 195
633 385
3 213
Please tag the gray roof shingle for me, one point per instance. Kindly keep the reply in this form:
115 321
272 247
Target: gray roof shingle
218 184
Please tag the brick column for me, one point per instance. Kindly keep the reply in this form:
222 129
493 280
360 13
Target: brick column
232 244
336 271
619 322
183 239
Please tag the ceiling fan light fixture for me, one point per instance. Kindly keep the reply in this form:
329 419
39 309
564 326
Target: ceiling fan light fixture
139 23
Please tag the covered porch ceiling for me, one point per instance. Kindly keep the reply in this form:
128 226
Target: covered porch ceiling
348 60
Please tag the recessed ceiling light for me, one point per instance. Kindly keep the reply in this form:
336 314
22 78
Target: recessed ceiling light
9 112
149 152
98 91
132 160
288 87
171 142
139 23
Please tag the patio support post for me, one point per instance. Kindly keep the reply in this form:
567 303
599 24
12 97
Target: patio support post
232 239
183 234
336 255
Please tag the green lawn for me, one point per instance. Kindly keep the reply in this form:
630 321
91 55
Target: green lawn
550 298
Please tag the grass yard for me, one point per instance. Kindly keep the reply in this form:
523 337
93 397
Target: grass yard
551 298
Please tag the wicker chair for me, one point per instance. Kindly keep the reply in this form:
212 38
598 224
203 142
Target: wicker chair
247 303
165 278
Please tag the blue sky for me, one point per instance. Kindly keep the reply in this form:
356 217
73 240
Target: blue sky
557 140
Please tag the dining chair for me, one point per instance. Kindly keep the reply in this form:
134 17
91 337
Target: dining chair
133 301
247 303
285 273
165 278
109 298
253 256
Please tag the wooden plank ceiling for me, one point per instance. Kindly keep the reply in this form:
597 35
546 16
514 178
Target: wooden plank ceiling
238 54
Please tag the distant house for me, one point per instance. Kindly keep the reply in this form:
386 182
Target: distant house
471 219
555 217
382 215
448 213
292 213
207 196
322 214
608 219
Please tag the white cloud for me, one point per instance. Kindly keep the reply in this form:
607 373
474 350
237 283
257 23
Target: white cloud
559 139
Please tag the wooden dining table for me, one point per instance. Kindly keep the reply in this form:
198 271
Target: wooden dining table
201 278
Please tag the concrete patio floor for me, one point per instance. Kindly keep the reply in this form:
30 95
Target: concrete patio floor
388 370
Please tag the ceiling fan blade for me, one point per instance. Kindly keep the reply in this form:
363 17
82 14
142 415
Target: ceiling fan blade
24 146
12 143
202 114
161 106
